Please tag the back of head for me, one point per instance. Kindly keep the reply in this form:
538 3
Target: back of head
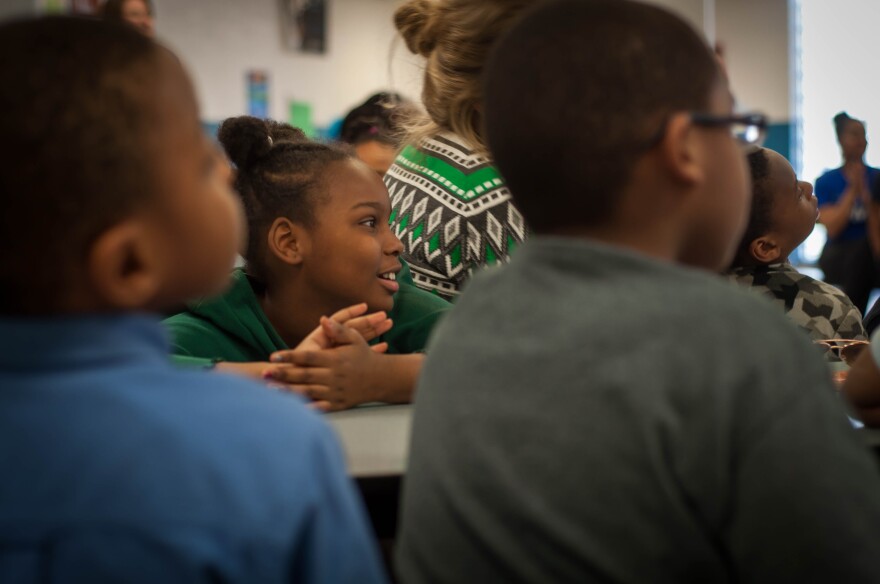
279 173
841 120
72 163
574 94
455 37
376 119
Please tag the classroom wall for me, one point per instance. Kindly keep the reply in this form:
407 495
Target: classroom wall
756 36
221 39
14 8
759 52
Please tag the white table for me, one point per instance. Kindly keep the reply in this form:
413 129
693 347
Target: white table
375 438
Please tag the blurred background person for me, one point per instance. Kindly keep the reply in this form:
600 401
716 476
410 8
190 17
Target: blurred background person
848 212
450 205
373 130
138 13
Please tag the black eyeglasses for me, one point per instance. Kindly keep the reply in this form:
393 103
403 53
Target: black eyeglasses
750 129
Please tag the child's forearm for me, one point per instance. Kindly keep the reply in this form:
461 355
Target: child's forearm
394 378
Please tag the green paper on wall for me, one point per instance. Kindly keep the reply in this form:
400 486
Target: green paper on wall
300 116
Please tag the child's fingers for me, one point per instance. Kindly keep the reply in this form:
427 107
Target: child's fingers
321 406
339 334
302 375
379 347
315 392
307 358
371 325
346 314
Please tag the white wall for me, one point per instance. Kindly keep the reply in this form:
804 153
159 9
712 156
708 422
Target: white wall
756 37
16 8
220 40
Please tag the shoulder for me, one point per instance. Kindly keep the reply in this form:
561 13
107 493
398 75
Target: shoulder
196 336
224 421
415 314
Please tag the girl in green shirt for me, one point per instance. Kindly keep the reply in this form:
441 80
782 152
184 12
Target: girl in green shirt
319 241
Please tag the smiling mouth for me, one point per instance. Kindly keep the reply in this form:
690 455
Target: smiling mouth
388 280
390 276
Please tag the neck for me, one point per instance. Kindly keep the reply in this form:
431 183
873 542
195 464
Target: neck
291 311
644 241
753 263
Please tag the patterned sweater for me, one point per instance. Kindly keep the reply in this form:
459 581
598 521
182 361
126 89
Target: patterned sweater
452 211
817 307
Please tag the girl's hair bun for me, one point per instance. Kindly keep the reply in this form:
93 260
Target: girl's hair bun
417 22
247 139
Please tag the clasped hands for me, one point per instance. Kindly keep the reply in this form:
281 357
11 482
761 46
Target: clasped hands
333 366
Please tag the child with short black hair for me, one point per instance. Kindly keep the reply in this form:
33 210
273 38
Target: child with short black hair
373 129
116 465
624 414
783 214
318 241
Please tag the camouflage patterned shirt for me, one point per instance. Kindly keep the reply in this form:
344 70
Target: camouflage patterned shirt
822 310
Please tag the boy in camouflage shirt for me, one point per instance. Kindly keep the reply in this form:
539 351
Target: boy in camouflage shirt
783 214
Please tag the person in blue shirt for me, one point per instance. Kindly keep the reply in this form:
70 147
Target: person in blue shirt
116 466
847 209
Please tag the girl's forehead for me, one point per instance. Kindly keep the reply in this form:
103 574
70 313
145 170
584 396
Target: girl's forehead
351 183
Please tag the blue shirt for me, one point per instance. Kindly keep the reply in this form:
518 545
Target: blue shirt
118 467
829 188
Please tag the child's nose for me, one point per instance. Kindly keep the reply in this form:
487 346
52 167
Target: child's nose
393 245
809 188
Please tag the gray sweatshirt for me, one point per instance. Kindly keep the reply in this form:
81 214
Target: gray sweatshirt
587 414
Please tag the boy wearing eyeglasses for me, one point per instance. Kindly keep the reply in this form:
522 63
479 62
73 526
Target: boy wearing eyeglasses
624 415
783 213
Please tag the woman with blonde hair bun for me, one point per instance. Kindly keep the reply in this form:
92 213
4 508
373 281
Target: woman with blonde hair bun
451 207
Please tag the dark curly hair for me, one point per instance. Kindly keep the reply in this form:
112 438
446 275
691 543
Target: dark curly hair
278 174
573 91
375 119
842 120
760 220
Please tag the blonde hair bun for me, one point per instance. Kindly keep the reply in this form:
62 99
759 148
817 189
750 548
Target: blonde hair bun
417 23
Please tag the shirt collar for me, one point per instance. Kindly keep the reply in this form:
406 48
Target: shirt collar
29 343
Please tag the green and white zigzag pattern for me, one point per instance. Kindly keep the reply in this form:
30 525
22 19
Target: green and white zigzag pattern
452 211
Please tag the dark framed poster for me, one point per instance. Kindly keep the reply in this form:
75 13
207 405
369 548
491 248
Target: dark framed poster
304 25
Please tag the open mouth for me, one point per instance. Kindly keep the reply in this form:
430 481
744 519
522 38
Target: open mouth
391 276
388 280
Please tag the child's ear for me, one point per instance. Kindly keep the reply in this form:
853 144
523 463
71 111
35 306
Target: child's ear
287 241
124 267
678 150
765 250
